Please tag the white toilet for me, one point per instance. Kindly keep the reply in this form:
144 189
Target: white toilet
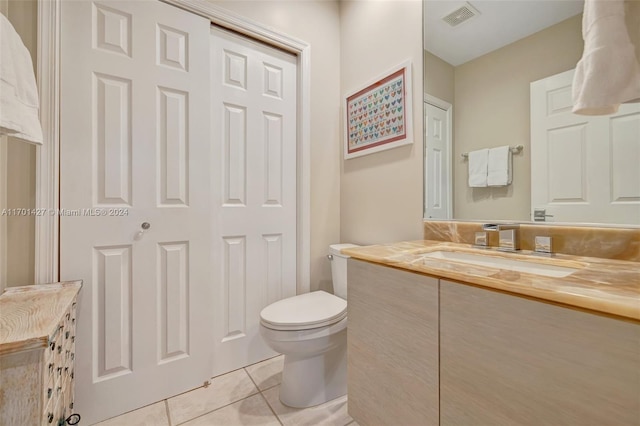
311 331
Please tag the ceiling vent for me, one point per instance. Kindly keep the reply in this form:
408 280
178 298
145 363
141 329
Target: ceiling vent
461 15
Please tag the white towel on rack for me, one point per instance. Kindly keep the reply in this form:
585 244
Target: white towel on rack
608 73
478 168
499 166
19 102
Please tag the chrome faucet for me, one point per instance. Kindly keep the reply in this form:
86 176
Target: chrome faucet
508 238
481 240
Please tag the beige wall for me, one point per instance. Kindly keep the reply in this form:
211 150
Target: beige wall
438 78
316 23
381 193
18 170
491 108
351 42
632 20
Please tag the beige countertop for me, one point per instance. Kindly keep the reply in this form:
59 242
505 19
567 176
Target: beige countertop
601 285
30 314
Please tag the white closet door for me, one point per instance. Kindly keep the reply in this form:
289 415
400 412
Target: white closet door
437 163
254 186
135 148
583 168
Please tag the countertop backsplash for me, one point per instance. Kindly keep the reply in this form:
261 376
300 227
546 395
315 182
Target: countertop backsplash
606 243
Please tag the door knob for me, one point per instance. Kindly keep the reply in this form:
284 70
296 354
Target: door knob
145 226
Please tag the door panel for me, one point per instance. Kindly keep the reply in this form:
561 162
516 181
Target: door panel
624 146
254 191
437 163
583 168
113 291
173 310
135 148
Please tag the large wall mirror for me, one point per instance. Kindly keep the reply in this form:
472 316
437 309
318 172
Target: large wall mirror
480 60
18 173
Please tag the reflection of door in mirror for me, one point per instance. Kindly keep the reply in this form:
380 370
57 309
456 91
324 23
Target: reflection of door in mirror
437 176
484 67
583 168
491 89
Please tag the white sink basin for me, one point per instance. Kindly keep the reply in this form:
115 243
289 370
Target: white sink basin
496 262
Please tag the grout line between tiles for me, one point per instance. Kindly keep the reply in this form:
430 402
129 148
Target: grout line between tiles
233 402
263 397
271 408
219 408
256 384
259 362
251 378
256 392
272 386
211 379
252 381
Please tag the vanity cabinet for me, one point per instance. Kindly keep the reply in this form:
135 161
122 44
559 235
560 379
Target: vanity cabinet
392 345
37 353
423 351
507 360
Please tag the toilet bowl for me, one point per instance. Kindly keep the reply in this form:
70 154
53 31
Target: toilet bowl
311 331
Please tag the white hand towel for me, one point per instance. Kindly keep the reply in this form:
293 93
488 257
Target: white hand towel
499 166
19 102
608 73
478 168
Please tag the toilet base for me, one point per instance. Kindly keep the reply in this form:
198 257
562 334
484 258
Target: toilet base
314 380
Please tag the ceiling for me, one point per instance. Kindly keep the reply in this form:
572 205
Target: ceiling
500 22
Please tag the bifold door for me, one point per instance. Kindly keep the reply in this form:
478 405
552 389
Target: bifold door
136 197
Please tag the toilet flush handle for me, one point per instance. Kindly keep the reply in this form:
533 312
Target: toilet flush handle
330 256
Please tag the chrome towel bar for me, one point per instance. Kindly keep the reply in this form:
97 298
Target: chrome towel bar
514 150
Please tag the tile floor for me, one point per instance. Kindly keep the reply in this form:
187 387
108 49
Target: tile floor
248 396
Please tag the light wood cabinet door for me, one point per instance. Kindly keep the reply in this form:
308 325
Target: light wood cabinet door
507 360
392 346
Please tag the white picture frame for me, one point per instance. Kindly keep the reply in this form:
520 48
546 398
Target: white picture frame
378 115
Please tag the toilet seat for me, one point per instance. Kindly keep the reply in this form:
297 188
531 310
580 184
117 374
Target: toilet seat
305 311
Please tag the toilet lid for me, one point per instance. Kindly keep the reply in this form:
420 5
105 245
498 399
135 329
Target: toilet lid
305 311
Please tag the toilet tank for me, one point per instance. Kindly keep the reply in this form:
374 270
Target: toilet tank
339 268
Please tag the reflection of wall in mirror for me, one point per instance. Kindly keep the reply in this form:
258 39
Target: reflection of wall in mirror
17 166
491 108
438 78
